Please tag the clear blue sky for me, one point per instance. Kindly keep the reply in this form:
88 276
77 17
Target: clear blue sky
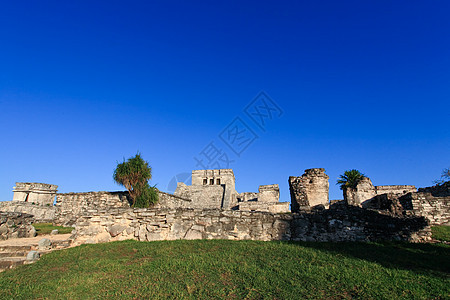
361 84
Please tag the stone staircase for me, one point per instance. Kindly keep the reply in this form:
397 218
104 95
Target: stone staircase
13 253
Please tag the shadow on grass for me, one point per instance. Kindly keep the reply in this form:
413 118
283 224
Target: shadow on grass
420 258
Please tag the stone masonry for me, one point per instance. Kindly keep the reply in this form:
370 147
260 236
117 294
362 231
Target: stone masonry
211 208
365 191
267 199
33 192
339 223
309 190
16 225
215 189
435 209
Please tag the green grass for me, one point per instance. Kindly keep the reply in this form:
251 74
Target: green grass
46 228
441 233
218 269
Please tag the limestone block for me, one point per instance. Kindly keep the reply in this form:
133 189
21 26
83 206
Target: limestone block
44 244
117 229
193 235
33 256
103 237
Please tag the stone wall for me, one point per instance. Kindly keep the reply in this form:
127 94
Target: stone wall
171 201
435 209
16 225
72 205
69 207
43 214
309 190
339 223
395 189
273 207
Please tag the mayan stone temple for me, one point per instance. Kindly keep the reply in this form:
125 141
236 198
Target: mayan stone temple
211 208
32 192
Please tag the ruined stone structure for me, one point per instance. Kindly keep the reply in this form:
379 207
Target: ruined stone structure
211 208
215 189
309 190
365 191
210 189
432 203
267 199
33 192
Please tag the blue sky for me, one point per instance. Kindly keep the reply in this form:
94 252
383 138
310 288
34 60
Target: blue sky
361 84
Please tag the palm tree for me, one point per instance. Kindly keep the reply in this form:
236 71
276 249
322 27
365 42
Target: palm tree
350 179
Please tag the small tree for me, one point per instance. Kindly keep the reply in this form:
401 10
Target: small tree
445 176
134 175
350 179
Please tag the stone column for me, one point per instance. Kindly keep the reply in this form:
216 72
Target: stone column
309 190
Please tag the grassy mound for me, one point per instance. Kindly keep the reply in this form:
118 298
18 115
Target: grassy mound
221 269
46 228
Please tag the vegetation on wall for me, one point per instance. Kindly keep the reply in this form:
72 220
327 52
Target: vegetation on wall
445 176
134 175
350 179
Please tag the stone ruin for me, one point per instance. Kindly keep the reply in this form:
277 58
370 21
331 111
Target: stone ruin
365 192
212 208
309 190
215 189
33 192
267 199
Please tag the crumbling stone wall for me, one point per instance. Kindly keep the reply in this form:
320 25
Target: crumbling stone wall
339 223
16 225
71 206
309 190
395 189
45 214
435 209
171 201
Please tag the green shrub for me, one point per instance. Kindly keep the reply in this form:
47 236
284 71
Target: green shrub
134 175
